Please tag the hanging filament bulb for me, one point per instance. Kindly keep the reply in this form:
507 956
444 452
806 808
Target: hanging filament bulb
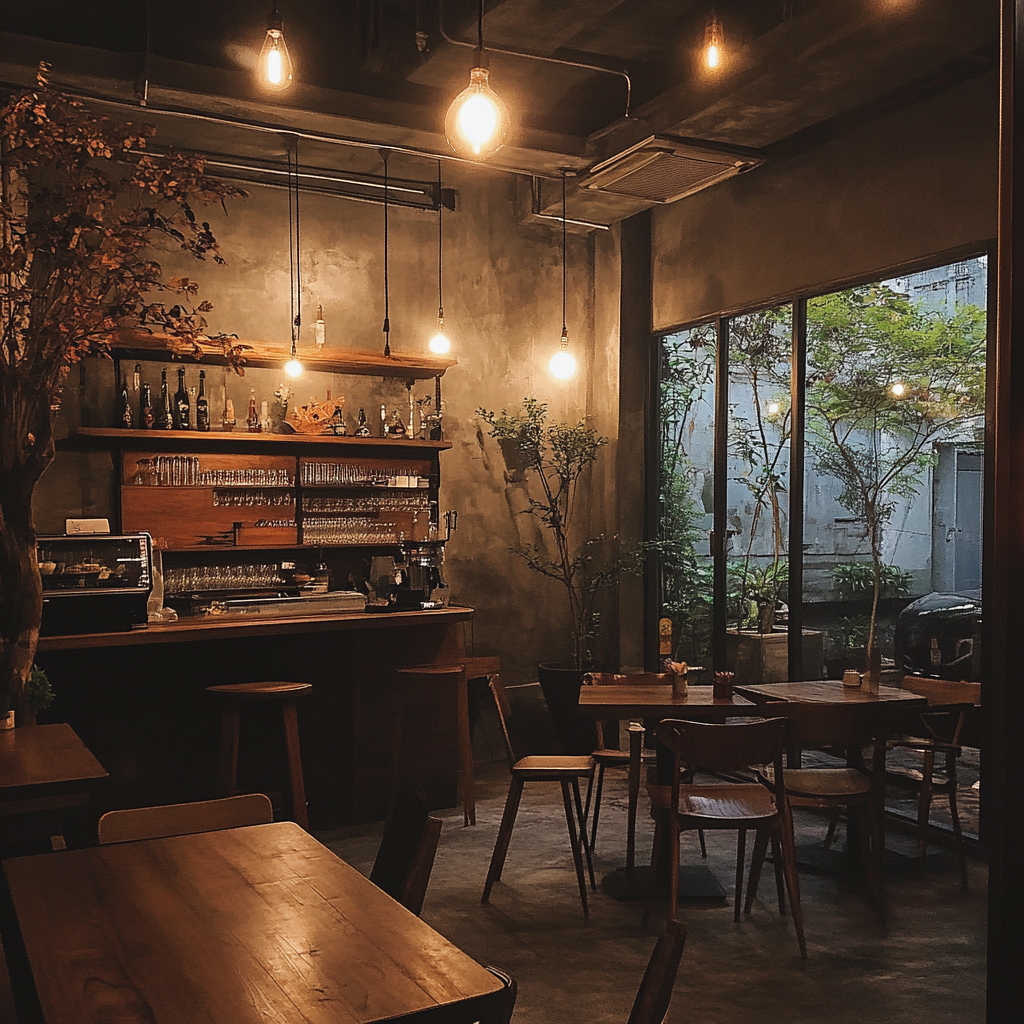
439 343
563 363
274 68
293 367
476 123
713 42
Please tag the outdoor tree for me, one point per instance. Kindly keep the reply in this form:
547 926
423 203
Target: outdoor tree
887 378
759 363
687 374
81 202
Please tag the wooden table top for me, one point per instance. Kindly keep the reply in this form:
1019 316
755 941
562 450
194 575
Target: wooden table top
656 701
832 691
40 755
259 924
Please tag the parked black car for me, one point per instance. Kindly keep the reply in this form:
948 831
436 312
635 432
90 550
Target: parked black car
939 635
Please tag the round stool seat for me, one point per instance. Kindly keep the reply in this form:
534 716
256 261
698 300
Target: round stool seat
263 691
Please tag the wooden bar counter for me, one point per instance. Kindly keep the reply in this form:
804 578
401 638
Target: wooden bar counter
138 701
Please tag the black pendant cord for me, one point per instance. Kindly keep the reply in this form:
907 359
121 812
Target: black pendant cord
480 27
563 254
387 319
294 249
440 206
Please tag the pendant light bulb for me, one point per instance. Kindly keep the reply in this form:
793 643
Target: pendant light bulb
563 363
713 42
293 367
274 68
439 343
476 124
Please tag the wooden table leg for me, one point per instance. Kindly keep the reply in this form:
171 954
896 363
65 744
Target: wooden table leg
636 737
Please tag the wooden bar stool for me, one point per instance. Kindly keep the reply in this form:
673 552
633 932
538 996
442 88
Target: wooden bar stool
435 685
286 694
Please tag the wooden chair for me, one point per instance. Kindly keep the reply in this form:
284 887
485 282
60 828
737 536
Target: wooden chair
845 728
733 806
655 992
406 853
937 732
233 695
566 770
500 1010
185 819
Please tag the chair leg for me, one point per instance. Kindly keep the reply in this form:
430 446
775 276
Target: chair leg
657 852
508 819
784 828
227 768
741 844
597 806
582 818
925 802
703 848
296 782
868 834
575 843
954 813
830 835
673 902
780 881
756 863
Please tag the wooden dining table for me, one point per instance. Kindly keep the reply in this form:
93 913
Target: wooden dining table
260 924
621 701
44 769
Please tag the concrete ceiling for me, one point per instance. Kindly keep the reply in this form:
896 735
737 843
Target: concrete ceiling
790 65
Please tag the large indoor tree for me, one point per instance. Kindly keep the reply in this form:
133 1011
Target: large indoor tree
82 200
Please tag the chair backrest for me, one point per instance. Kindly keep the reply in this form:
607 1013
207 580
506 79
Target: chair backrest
185 819
655 992
405 857
504 709
499 1010
724 748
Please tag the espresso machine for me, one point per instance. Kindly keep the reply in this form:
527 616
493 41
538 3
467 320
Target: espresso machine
414 580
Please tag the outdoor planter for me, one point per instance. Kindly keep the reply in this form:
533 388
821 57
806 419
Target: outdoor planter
764 657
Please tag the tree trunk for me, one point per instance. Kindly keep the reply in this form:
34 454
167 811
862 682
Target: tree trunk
26 449
876 567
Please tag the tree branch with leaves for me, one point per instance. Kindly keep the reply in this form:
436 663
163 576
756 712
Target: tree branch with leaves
82 200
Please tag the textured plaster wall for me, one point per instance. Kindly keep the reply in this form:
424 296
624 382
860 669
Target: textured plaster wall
502 300
918 182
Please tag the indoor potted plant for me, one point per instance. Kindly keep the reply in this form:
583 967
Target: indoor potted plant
556 456
38 695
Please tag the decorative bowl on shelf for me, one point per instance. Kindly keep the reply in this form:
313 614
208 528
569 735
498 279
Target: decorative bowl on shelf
314 418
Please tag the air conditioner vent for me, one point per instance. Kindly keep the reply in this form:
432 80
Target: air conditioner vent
662 170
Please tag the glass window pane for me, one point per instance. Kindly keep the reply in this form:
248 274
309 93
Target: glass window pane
687 493
895 450
757 528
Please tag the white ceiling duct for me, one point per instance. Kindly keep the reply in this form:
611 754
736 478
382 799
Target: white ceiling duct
662 169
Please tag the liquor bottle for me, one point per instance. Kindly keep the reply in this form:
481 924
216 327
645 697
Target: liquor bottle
396 428
337 420
227 416
362 428
182 407
124 407
202 405
165 417
252 420
146 407
383 421
319 329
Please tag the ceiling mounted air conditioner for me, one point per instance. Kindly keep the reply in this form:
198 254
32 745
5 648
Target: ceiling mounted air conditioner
662 169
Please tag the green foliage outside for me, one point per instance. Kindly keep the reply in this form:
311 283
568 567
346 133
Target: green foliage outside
877 443
38 691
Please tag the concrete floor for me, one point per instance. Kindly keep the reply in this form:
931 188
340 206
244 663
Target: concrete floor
928 966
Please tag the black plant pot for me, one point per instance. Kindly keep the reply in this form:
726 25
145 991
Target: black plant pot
560 685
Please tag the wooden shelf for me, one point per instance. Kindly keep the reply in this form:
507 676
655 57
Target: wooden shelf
185 550
220 437
417 366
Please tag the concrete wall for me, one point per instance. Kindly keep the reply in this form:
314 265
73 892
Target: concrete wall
917 182
503 312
